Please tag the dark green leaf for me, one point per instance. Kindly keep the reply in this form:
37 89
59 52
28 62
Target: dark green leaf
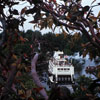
31 11
86 8
15 12
98 3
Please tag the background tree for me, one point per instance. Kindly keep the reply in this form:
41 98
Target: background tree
71 15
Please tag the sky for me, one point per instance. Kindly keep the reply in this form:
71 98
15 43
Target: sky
84 3
28 26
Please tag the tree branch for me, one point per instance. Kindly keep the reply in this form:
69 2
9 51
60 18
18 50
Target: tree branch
64 24
10 81
92 30
77 26
93 42
36 77
83 30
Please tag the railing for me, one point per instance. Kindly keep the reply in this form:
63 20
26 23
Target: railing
57 69
65 69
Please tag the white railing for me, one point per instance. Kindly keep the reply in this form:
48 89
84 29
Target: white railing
62 70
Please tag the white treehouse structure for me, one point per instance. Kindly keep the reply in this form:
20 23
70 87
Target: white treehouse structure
60 70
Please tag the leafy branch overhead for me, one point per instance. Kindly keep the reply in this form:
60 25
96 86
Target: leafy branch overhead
49 13
69 15
15 47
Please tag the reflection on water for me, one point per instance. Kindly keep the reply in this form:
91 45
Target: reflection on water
45 80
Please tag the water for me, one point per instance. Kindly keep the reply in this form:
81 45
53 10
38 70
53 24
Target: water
87 63
45 82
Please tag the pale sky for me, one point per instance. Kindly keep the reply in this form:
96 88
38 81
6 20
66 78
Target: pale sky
28 26
84 3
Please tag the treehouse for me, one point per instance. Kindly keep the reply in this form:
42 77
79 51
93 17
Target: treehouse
60 70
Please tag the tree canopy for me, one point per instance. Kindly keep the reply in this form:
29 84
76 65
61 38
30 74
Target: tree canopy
69 15
49 13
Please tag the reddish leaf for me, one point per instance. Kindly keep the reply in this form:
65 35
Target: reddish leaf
89 95
57 35
33 21
52 1
31 98
20 92
27 69
28 93
83 88
22 86
93 18
23 10
31 46
14 57
22 39
85 53
98 15
25 55
18 74
38 89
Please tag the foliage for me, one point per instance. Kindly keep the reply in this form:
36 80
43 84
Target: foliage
70 16
84 88
82 84
78 65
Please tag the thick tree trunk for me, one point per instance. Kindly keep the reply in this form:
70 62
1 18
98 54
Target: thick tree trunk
8 86
9 83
